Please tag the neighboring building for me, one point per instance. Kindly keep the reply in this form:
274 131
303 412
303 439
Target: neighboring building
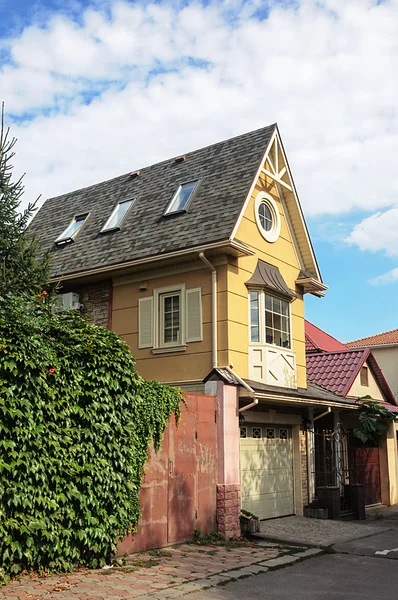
354 373
202 263
385 349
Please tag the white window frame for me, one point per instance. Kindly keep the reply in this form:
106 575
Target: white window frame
61 239
181 210
116 227
261 319
159 318
273 234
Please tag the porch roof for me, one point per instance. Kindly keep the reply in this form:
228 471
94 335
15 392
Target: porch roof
313 394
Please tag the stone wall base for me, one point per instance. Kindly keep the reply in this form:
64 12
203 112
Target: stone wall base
228 510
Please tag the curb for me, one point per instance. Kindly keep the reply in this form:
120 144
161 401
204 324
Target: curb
233 575
289 541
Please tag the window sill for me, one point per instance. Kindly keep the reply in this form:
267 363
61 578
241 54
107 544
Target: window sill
169 349
271 346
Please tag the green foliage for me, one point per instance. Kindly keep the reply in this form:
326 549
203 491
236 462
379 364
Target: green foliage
75 425
21 268
374 420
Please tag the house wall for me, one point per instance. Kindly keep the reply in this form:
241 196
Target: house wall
196 361
96 299
357 390
388 361
282 254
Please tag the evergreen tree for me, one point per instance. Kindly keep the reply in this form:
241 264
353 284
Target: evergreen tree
22 269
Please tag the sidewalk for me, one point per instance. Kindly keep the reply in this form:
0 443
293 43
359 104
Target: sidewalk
167 573
313 532
324 533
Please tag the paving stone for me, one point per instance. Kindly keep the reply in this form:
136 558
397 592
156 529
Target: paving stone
282 560
187 588
309 552
216 580
254 569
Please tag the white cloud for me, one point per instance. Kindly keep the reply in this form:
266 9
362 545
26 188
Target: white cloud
389 277
324 72
377 232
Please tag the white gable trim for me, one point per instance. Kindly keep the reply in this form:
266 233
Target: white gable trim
277 177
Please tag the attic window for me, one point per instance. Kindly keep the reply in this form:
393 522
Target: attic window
267 217
71 231
364 376
117 216
181 198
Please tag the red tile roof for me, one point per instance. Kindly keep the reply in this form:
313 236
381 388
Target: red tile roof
388 337
336 371
317 339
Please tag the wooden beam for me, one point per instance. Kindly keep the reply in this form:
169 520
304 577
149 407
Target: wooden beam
282 172
275 178
270 162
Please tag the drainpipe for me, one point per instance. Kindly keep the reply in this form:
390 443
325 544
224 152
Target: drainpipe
329 410
249 389
311 456
213 307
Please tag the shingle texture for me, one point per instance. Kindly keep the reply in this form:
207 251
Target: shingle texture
388 337
335 371
317 339
225 170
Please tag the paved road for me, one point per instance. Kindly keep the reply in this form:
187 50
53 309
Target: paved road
383 543
327 577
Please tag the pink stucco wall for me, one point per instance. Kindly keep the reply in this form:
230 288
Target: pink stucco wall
228 486
228 433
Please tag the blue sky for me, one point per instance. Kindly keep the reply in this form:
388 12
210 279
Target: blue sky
95 89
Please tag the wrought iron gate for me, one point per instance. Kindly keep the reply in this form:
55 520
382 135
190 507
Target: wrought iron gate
341 460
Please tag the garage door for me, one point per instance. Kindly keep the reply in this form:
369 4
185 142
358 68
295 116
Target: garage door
266 470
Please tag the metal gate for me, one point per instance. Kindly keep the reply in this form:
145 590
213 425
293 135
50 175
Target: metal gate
341 459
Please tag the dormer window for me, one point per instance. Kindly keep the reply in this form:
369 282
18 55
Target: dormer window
181 198
117 216
72 230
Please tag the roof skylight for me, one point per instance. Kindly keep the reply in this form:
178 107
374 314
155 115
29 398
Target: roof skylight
181 198
117 216
71 231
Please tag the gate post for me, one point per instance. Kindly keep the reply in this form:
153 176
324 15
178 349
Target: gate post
330 495
357 498
228 485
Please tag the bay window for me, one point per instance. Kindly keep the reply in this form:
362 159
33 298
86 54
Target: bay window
269 319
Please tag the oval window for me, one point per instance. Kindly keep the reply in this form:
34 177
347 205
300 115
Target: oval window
267 217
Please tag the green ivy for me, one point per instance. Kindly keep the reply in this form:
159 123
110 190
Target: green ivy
374 421
76 421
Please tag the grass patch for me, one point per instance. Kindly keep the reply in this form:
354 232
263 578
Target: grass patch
160 553
215 539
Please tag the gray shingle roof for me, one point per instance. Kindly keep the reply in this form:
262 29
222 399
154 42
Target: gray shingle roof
312 392
225 170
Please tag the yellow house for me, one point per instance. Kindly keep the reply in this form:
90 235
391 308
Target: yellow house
202 263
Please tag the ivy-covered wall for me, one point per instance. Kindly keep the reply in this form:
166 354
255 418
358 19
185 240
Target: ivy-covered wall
76 422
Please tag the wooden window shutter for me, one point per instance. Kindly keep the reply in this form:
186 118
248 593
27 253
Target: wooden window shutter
145 322
194 315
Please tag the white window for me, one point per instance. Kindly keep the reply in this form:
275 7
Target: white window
267 216
170 319
117 216
269 319
181 198
71 231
